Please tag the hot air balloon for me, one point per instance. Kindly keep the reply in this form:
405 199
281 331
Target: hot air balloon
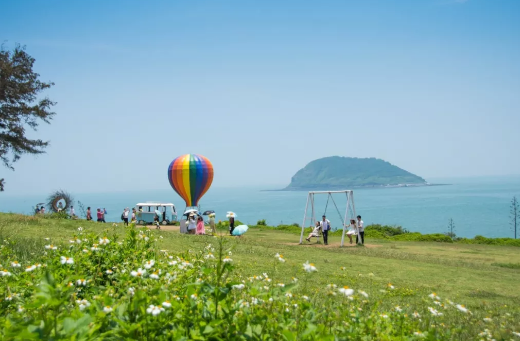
190 176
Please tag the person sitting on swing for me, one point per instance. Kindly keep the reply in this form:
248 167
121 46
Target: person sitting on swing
325 227
315 232
352 229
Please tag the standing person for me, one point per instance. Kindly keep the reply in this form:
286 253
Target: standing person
361 231
212 224
192 224
37 210
325 227
200 226
125 215
89 214
156 218
72 212
103 212
60 206
231 225
99 216
42 210
134 220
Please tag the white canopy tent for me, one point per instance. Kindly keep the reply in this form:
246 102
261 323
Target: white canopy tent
350 209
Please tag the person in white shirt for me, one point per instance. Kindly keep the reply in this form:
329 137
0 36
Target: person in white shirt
192 224
325 227
72 213
125 216
361 231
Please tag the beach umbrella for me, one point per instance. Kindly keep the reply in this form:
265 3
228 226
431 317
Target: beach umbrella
208 212
190 176
231 215
240 230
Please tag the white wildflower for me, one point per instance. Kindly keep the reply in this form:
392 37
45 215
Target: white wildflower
82 282
363 293
104 241
83 304
131 291
139 273
154 310
238 286
155 275
462 308
309 267
15 264
107 309
51 247
148 264
434 296
167 304
66 260
346 291
227 260
279 257
398 308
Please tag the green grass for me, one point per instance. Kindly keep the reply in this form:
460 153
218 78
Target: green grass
452 270
484 278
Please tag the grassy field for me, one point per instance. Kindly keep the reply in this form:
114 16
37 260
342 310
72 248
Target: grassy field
484 278
474 274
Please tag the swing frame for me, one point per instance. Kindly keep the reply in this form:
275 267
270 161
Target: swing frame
310 202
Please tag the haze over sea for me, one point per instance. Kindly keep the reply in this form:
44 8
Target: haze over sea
478 206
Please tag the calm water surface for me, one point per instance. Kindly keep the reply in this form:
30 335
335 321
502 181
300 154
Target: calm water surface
478 206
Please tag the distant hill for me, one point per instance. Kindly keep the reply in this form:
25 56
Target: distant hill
335 173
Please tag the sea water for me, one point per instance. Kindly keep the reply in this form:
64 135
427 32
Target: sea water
478 206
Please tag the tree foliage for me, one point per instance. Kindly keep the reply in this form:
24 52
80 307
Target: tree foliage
20 106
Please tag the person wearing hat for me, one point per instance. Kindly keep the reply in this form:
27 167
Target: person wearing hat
325 227
192 224
212 224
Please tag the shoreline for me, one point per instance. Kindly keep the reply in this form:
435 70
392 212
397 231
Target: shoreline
317 188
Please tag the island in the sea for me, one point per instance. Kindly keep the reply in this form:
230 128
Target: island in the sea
339 173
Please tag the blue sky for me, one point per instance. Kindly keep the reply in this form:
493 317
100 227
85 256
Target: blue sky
262 88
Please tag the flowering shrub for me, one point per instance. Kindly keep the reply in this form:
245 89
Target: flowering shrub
100 287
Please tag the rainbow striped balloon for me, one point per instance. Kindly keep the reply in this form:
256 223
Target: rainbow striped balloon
190 176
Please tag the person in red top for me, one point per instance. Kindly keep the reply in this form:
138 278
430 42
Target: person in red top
99 216
89 214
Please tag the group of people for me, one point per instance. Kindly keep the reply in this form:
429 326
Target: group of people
100 214
133 218
354 228
196 224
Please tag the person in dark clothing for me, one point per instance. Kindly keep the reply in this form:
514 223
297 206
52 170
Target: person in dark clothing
361 231
325 227
231 225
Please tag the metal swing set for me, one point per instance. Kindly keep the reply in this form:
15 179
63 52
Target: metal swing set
350 210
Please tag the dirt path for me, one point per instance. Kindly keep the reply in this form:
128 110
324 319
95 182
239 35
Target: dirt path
331 245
